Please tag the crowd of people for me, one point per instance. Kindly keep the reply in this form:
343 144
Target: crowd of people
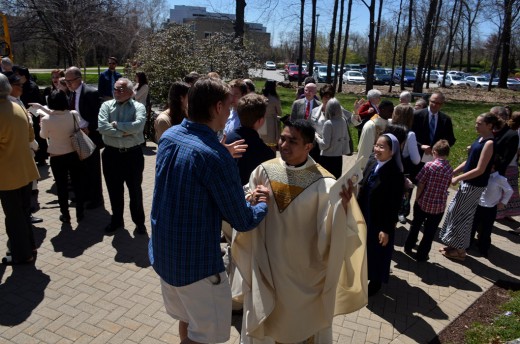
271 239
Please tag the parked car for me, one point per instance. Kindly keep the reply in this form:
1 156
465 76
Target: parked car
512 84
353 77
320 73
288 65
292 74
457 72
409 77
436 75
381 77
270 65
452 80
477 81
353 66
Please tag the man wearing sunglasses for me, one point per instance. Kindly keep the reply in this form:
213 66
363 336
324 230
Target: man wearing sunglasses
121 123
85 100
108 79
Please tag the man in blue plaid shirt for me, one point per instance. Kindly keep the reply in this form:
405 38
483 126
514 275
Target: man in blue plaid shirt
197 186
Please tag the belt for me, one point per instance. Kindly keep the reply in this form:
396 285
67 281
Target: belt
123 150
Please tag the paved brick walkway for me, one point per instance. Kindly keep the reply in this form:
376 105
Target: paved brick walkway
90 288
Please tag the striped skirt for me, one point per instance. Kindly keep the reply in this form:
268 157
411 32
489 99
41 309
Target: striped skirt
513 206
456 230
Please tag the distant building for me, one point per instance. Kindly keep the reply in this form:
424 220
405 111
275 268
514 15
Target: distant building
206 24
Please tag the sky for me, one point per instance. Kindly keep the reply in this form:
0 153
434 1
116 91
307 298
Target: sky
282 16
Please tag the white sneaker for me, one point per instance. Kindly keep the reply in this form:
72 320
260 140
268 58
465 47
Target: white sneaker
402 219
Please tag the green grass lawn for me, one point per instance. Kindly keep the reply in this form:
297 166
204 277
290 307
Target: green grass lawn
506 327
462 114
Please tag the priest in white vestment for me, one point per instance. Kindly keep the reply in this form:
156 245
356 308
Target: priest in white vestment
306 261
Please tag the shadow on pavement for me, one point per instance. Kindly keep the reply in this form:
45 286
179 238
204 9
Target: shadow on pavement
433 273
73 243
398 303
149 151
131 249
21 293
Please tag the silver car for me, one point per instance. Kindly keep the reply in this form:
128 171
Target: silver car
452 80
353 77
477 81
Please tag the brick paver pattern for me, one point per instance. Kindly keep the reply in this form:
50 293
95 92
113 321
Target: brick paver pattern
87 287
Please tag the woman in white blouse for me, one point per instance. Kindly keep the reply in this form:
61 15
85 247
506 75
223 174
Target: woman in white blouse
57 127
141 88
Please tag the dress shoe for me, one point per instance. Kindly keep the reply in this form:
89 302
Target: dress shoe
402 219
111 228
65 218
140 229
35 219
409 253
80 217
422 259
94 204
373 287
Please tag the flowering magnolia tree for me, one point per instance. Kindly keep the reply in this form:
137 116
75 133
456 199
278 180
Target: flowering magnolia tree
172 53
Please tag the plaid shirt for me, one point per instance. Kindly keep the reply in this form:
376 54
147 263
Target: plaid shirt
436 176
197 185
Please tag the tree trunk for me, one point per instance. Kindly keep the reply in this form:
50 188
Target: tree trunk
338 72
312 56
239 21
345 42
371 47
394 53
300 54
406 44
506 43
331 42
453 29
378 29
418 85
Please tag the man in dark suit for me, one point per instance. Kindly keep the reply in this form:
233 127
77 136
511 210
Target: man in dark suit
86 101
431 125
302 108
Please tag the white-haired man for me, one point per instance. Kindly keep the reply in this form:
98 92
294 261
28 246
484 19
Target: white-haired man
369 108
121 123
405 98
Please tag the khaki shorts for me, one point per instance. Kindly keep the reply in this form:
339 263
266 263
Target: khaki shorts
205 305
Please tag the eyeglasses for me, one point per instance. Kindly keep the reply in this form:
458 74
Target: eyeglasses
70 81
119 89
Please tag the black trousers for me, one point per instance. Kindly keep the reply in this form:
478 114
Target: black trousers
333 164
431 223
41 153
17 209
120 168
91 177
483 225
62 166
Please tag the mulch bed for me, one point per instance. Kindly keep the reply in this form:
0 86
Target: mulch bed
484 310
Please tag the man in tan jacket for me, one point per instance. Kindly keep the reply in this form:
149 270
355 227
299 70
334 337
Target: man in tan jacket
17 171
